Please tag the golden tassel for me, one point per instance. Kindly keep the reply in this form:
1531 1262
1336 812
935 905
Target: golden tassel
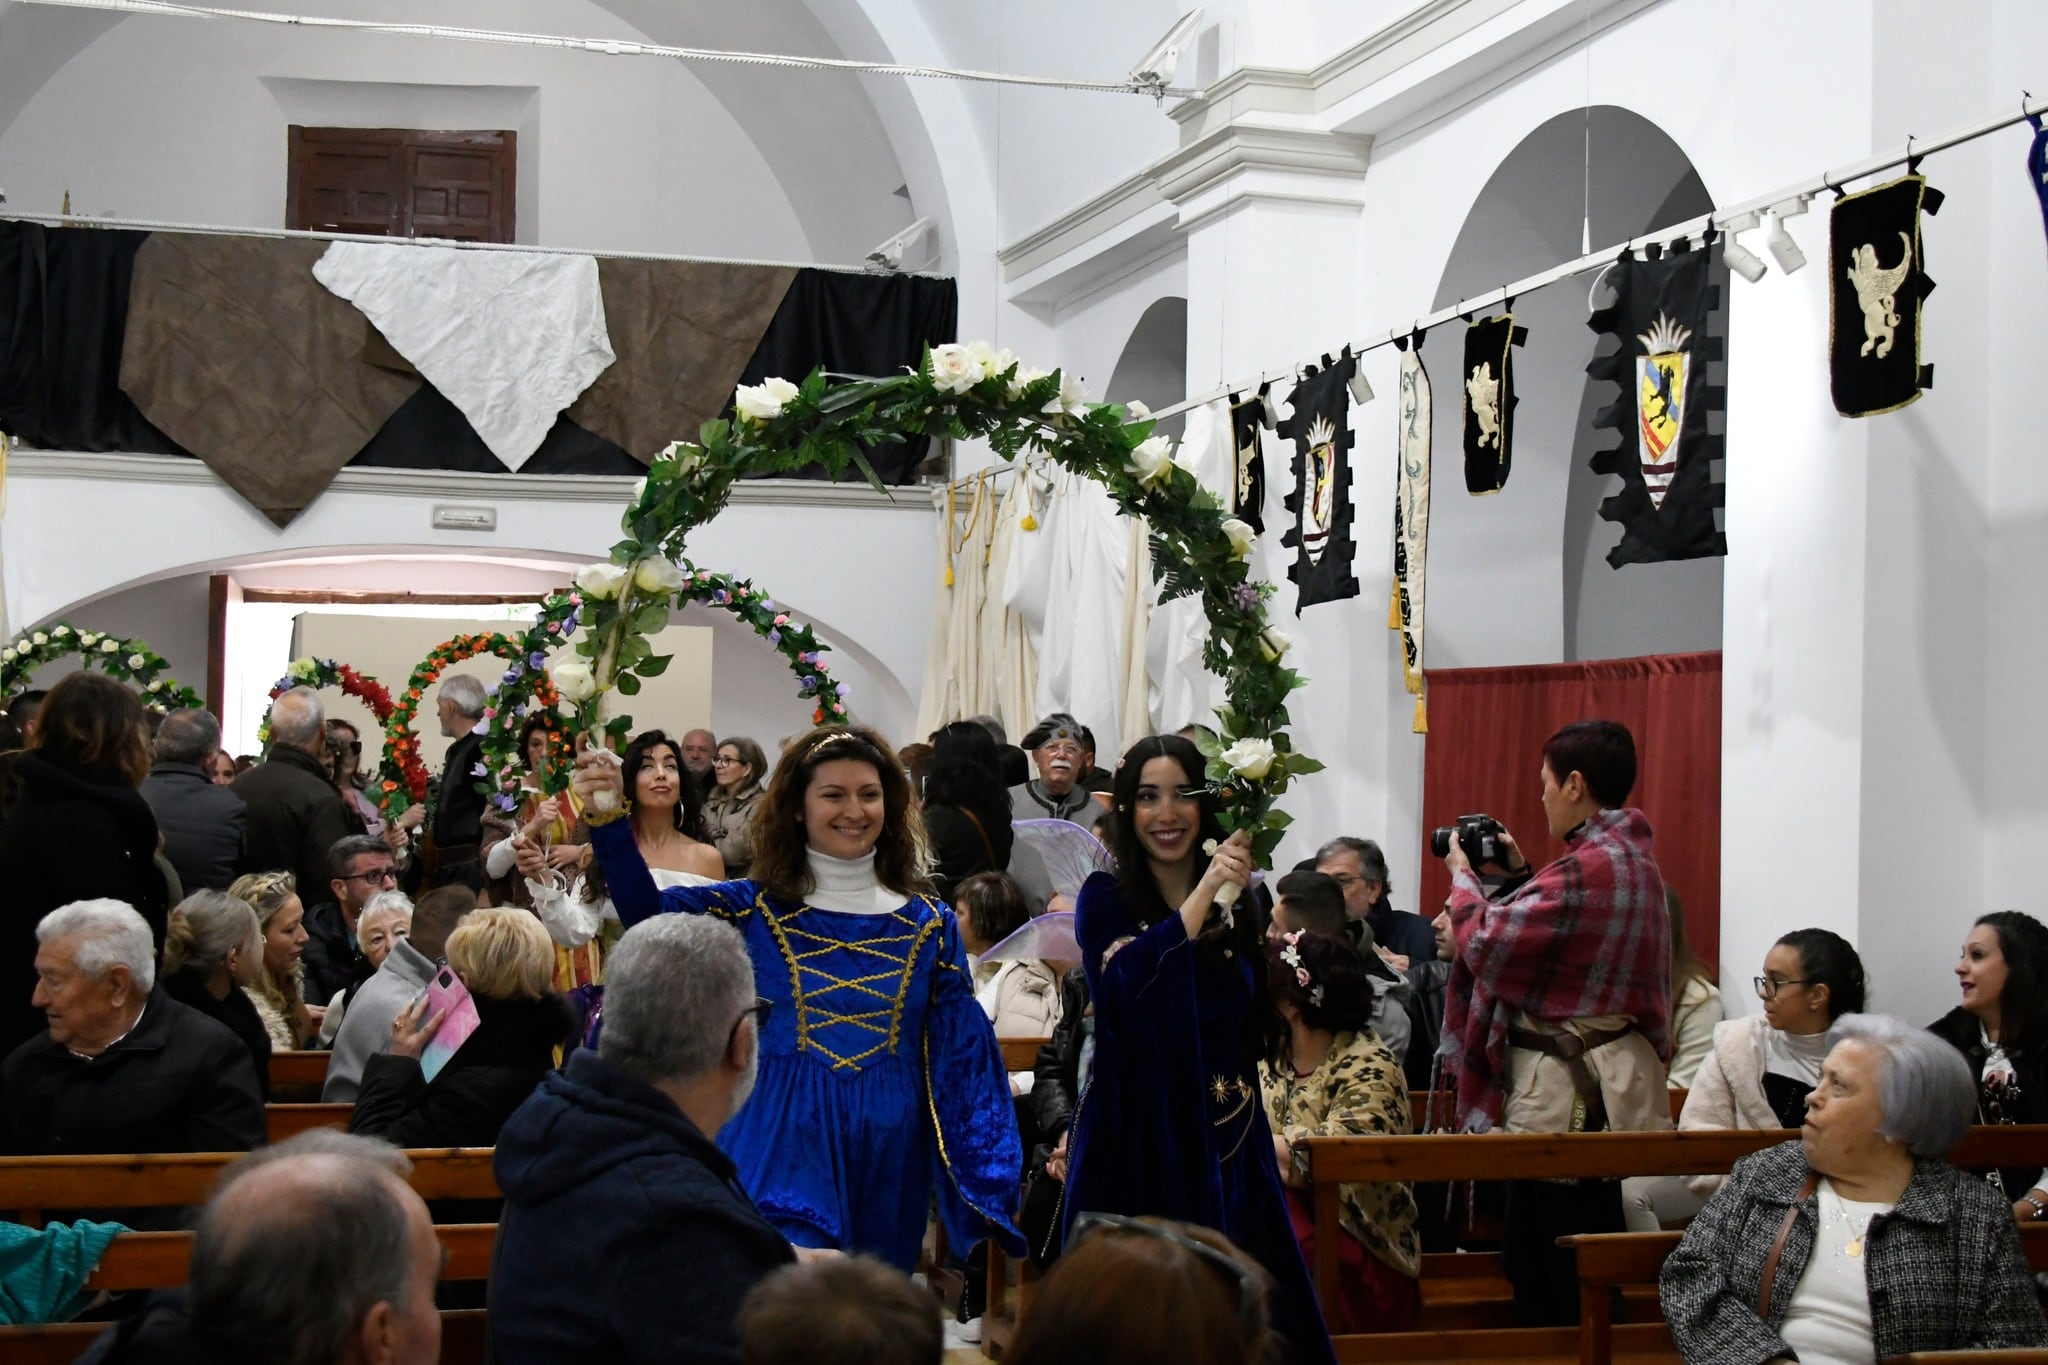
949 575
1394 608
1030 523
1421 717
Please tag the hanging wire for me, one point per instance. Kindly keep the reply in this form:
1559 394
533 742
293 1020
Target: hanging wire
614 47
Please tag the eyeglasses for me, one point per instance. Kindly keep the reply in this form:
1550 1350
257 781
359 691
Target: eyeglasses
723 762
1767 987
375 874
758 1012
1250 1317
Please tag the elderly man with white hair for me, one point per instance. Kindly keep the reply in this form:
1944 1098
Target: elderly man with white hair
1859 1241
313 1250
456 854
122 1066
295 814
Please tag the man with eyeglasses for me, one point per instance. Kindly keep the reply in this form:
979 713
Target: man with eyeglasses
1064 752
1358 866
362 866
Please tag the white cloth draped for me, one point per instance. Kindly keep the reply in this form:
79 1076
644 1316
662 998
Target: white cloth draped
980 659
510 338
1183 690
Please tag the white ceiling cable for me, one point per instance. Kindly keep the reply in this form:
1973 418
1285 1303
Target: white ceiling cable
615 47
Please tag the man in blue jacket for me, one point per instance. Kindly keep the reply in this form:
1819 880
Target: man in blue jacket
624 1237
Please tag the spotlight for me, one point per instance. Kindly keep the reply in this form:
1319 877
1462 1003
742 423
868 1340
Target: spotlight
1361 391
889 255
1740 258
1784 250
1154 71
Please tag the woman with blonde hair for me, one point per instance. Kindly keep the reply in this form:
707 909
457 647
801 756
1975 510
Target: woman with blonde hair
506 960
879 1078
213 952
279 990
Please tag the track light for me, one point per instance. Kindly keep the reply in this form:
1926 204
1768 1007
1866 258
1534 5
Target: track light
1784 250
1154 71
1361 391
889 255
1738 257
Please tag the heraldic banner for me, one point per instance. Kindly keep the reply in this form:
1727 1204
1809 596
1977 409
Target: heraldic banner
1248 461
1411 521
1320 428
1669 494
1878 281
1490 402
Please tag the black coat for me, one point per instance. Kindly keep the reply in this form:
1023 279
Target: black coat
201 824
626 1237
333 961
1960 1030
459 809
470 1098
179 1082
1056 1083
959 850
162 1333
295 819
237 1013
74 834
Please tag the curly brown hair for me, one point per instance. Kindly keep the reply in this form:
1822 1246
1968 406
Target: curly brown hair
781 864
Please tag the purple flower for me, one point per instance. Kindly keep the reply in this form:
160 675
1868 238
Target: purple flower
768 604
808 686
774 637
840 690
504 802
479 771
1247 595
536 660
720 598
511 675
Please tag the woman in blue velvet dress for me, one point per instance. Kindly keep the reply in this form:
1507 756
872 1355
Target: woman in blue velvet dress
880 1078
1171 1123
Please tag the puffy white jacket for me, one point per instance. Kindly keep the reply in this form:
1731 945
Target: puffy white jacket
1728 1090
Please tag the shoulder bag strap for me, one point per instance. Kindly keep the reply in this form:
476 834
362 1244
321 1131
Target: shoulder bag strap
986 846
1763 1293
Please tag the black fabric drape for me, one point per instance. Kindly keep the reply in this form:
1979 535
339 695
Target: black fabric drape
429 432
860 325
63 311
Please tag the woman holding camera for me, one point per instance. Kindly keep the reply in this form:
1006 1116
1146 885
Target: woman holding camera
1171 1123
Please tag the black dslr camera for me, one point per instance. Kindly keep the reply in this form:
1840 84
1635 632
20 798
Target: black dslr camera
1478 835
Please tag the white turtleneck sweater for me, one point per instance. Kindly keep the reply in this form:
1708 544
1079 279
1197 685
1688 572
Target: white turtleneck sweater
849 885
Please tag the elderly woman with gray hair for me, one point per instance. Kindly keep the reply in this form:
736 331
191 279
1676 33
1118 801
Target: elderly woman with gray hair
1859 1241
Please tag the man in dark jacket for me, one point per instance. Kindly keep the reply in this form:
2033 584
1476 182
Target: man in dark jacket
360 866
295 814
1358 866
459 807
201 822
122 1067
625 1236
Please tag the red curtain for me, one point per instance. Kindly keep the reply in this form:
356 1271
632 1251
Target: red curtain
1485 749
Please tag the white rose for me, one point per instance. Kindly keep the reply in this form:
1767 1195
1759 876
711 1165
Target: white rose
1252 758
1023 379
993 363
136 661
639 492
1072 400
60 632
110 646
601 581
1273 642
687 457
574 680
759 402
954 369
1242 537
156 685
1152 461
1137 410
657 577
6 656
39 638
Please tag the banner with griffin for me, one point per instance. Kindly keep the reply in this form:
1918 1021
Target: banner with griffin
1320 428
1490 402
1878 277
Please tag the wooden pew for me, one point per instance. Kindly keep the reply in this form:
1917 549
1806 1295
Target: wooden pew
462 1340
298 1076
1021 1054
281 1121
161 1260
31 1185
1625 1260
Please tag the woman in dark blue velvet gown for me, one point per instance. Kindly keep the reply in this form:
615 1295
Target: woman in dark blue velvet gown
1171 1123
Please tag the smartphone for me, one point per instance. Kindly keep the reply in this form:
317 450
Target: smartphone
449 998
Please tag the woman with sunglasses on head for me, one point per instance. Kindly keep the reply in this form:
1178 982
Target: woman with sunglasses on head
345 764
1763 1066
1171 1123
880 1078
2001 1028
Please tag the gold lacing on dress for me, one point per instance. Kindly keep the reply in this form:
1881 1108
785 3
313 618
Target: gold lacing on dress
800 947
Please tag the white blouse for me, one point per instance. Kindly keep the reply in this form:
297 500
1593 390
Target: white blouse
1828 1320
574 921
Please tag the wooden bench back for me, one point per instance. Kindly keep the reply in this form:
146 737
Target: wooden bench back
31 1185
162 1260
281 1121
298 1076
1021 1054
462 1340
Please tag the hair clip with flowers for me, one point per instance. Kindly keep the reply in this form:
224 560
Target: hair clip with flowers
1291 955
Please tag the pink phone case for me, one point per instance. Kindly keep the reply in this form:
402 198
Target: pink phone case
449 998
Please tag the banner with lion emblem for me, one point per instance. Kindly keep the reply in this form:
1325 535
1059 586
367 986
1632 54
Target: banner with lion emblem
1489 383
1662 322
1320 428
1877 272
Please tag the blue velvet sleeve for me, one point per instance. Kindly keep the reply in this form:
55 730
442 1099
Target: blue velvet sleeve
1124 961
981 1158
636 897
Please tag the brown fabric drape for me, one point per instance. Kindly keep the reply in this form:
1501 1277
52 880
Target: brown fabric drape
1485 750
683 331
238 354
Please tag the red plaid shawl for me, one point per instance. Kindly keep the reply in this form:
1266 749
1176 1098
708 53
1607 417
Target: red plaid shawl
1586 936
